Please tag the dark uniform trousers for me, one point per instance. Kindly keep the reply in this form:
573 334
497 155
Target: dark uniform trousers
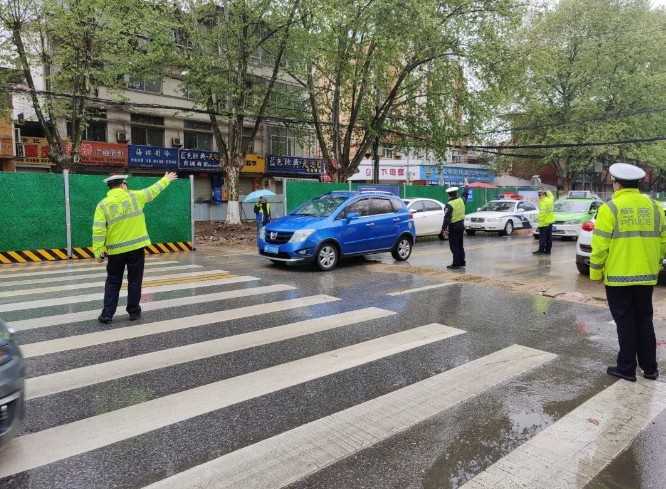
546 238
115 268
456 233
631 308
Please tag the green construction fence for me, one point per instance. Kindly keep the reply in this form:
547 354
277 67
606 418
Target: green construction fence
33 214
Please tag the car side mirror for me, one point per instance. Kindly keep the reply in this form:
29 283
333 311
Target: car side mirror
352 216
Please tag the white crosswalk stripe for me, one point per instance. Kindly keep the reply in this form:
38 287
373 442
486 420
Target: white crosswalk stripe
100 283
167 326
101 372
43 270
321 443
79 278
73 317
97 296
572 451
48 446
419 289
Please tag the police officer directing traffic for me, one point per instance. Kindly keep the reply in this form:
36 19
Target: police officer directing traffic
119 232
628 246
545 220
454 222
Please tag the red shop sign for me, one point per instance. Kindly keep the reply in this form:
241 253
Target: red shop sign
103 154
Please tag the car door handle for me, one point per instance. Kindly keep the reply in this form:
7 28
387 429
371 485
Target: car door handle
370 224
396 219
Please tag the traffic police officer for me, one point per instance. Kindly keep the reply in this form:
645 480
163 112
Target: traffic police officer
454 222
628 245
119 231
545 221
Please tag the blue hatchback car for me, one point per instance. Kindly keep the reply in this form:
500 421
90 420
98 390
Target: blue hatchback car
339 224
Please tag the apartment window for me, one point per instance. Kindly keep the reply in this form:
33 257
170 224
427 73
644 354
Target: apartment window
282 142
198 135
145 84
387 152
248 143
147 129
95 127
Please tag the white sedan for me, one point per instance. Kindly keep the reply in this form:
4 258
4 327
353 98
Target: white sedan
428 216
502 216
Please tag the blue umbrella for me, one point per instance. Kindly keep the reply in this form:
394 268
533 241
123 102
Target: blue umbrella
254 196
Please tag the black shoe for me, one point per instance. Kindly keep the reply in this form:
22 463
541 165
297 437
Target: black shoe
652 375
538 252
615 372
104 320
134 316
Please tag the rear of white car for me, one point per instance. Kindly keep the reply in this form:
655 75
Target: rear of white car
428 216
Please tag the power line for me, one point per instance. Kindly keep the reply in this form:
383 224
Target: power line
653 139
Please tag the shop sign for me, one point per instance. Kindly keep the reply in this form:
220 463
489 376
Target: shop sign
388 170
6 138
35 150
101 154
254 163
152 157
296 166
198 160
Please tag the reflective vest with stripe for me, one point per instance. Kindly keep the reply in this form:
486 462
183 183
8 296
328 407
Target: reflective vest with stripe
546 215
119 225
629 240
458 207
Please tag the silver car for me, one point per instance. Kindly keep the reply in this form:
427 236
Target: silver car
12 385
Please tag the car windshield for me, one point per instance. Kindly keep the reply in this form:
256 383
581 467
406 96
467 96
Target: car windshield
320 207
572 206
498 206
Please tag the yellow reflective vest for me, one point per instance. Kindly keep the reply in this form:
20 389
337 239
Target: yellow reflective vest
119 225
458 208
546 215
629 240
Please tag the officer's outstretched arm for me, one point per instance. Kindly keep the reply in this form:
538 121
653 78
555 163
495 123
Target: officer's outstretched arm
149 194
99 233
601 239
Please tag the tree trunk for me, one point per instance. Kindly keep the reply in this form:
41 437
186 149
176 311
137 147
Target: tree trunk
232 184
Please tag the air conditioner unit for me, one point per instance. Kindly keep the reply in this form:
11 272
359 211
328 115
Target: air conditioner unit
175 142
121 136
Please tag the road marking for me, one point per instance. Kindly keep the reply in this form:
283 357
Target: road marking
52 269
102 372
576 448
34 450
97 296
293 455
72 278
129 332
100 283
178 279
419 289
47 321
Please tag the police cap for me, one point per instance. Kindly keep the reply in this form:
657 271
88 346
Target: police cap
451 190
116 178
626 172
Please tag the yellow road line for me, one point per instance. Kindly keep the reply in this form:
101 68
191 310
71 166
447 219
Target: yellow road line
186 280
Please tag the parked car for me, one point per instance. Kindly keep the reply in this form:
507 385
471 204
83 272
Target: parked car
12 385
428 216
571 213
501 216
340 224
584 248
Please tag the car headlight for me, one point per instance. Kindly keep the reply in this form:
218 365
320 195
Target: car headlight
262 233
5 354
301 235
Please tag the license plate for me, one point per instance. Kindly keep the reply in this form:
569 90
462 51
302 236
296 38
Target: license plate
271 249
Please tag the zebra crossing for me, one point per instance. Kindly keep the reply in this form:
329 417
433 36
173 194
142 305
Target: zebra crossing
234 380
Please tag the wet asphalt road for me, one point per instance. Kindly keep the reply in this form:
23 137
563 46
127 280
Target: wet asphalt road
134 410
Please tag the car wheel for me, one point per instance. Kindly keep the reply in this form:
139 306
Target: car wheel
583 269
402 249
327 257
470 232
508 229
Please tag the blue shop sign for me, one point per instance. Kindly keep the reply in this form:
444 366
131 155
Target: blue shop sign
152 157
296 166
198 160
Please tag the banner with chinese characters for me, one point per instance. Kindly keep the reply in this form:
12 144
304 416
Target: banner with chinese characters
456 175
101 154
391 170
6 137
35 150
254 163
198 160
152 157
295 166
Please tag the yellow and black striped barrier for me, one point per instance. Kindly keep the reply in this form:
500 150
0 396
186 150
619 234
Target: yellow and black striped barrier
54 254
